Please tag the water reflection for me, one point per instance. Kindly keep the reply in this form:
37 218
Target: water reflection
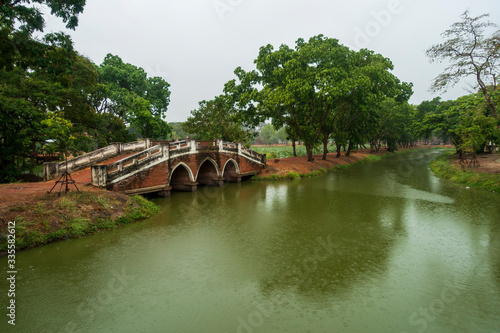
362 250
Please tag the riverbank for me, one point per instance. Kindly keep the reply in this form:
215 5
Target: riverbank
485 177
299 167
47 218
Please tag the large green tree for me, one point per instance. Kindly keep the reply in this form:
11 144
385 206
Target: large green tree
217 119
302 86
471 54
465 121
19 19
29 96
126 92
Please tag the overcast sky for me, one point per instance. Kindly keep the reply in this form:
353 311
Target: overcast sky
195 45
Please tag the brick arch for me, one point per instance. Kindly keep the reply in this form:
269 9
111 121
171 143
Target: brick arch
183 177
231 171
159 167
208 173
211 161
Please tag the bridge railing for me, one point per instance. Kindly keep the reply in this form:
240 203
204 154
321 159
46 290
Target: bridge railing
253 154
103 174
242 150
206 144
55 169
134 160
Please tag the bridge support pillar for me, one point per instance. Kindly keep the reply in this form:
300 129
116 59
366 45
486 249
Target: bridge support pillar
233 179
99 175
191 187
184 187
166 192
219 181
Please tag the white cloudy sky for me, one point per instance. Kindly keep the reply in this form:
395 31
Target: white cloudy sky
195 45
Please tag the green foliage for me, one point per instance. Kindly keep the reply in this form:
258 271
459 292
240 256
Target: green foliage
52 100
286 151
468 122
317 90
442 167
291 175
78 227
217 119
21 18
269 135
469 53
36 231
59 130
178 132
126 92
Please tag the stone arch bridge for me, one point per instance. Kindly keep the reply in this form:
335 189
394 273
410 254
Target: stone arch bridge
180 166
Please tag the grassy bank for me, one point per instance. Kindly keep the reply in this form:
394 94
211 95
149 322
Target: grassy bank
316 172
287 151
51 218
278 171
444 167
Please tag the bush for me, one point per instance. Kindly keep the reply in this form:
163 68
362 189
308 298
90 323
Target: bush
443 167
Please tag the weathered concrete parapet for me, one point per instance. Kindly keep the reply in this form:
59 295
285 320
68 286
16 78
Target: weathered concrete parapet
153 169
490 148
99 175
55 169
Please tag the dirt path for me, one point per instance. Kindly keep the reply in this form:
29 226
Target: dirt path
302 166
28 192
16 193
489 163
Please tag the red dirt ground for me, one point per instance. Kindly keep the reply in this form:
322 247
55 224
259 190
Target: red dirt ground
489 163
16 193
302 166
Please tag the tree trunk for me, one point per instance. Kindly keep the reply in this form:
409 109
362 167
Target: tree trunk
488 99
309 154
339 147
325 148
349 148
294 150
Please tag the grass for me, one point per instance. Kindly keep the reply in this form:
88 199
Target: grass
443 167
287 151
74 215
290 175
281 151
295 175
367 159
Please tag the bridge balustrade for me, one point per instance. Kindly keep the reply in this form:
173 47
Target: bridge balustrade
53 170
103 175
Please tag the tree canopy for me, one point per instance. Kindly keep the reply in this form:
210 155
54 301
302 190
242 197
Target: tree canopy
318 90
52 99
217 118
125 91
470 53
19 19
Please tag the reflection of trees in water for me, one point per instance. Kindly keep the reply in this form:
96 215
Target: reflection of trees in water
494 252
354 246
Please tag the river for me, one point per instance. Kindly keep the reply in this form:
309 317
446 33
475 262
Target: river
380 247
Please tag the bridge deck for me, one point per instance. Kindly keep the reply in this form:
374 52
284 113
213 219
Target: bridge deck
25 191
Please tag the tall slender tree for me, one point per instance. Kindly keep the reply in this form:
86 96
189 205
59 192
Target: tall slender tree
471 54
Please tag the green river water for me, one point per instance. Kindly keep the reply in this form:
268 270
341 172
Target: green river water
380 247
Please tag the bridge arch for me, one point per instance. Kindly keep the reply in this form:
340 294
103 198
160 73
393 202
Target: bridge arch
208 173
181 178
231 171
